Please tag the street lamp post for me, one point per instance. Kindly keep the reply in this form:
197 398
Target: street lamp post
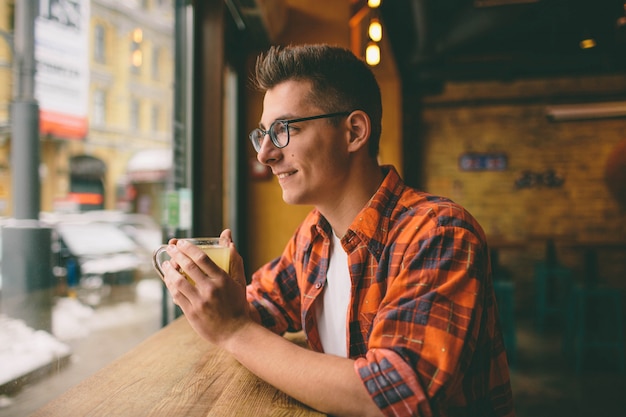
26 249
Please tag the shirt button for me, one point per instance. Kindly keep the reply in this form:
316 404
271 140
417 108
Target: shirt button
318 285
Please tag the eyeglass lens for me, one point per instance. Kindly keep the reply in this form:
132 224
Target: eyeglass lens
278 131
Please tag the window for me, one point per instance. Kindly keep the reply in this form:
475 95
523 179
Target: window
99 108
97 114
156 52
11 16
134 114
156 111
99 44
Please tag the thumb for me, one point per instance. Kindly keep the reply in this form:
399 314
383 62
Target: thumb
236 267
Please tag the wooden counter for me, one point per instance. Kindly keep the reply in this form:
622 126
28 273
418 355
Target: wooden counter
175 373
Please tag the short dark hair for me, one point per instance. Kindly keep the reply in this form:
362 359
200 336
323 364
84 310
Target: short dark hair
340 81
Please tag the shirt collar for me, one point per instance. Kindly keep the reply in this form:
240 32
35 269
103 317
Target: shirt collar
370 226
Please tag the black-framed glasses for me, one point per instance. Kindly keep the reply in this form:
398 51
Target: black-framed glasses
279 130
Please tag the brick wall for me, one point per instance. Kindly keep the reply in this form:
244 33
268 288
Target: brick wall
510 118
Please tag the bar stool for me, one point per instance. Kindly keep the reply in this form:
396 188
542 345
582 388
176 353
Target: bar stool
553 283
595 321
505 297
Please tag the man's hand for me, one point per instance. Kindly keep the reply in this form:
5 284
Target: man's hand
215 305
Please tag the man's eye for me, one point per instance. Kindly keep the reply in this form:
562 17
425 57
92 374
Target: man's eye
280 128
291 128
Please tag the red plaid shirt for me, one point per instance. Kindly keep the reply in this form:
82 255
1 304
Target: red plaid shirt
422 318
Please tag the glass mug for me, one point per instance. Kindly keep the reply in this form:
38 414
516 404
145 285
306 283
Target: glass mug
216 248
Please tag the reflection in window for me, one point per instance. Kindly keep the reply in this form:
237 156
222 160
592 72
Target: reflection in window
101 111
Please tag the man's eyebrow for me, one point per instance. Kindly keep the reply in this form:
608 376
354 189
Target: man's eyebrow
283 117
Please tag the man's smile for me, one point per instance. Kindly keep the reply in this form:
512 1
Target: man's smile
282 175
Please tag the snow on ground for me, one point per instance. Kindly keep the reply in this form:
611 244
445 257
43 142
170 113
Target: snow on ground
72 319
23 349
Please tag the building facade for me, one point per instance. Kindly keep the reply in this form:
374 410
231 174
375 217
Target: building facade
121 158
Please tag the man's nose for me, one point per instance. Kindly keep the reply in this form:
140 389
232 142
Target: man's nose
267 152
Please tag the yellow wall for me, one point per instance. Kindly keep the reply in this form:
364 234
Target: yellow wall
271 221
391 140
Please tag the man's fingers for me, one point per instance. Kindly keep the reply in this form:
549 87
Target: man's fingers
176 284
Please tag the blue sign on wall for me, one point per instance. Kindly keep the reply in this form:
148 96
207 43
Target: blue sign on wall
483 162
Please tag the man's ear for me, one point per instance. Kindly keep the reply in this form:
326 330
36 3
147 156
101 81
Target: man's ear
360 128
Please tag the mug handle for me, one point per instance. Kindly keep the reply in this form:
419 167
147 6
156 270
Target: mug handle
157 261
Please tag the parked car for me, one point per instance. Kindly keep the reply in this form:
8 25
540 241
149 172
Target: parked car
96 250
106 241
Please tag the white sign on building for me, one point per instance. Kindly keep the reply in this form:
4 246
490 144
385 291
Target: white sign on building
62 75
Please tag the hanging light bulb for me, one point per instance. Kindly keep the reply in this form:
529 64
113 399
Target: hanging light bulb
372 4
587 43
372 54
375 30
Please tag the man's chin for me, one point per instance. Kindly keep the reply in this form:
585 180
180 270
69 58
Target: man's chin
289 200
293 199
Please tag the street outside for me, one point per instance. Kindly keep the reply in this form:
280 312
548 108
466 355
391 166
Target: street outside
85 337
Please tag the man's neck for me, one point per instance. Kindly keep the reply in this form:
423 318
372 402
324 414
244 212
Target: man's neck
359 190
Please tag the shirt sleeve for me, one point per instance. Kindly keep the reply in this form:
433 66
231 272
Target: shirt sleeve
429 325
274 295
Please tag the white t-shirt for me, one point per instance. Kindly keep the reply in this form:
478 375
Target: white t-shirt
332 316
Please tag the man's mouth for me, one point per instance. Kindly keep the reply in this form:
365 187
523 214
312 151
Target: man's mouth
285 174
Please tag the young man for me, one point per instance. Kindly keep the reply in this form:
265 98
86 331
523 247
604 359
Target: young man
391 285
